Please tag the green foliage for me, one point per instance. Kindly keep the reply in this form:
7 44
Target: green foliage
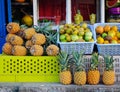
94 61
44 29
79 61
108 60
63 59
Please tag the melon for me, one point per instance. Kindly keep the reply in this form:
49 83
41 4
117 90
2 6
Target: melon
112 3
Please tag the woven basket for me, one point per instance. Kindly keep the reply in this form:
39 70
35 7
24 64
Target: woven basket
69 47
110 49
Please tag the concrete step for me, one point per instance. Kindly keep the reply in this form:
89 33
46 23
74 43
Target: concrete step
57 87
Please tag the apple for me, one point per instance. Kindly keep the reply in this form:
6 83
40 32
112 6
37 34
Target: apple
68 30
104 35
81 29
80 37
62 37
88 34
75 32
64 40
114 42
74 37
87 38
81 33
84 25
68 38
80 40
87 30
118 34
111 33
62 31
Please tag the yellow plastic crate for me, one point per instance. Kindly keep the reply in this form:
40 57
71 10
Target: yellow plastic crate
29 69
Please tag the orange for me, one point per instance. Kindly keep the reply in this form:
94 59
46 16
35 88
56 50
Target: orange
20 1
114 28
106 28
106 42
100 40
99 30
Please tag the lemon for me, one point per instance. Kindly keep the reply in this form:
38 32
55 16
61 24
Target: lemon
27 19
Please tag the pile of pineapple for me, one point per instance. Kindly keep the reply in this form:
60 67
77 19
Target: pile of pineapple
80 75
23 40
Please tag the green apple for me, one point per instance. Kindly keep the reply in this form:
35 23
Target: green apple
81 33
87 38
74 37
62 37
114 42
88 34
68 30
80 37
63 40
104 35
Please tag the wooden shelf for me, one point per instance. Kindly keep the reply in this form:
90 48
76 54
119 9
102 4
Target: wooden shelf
15 3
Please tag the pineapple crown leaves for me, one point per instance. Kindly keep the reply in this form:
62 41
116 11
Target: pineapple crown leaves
23 26
52 37
94 61
43 29
78 60
63 59
109 62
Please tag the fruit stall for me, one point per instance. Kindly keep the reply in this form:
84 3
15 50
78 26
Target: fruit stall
60 46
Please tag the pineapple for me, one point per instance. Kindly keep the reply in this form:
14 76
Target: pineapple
93 73
7 48
80 73
13 27
19 50
52 50
49 42
28 44
8 36
21 31
38 39
36 50
16 40
28 33
108 74
65 74
51 46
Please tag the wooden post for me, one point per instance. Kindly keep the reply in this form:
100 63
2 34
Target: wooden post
35 12
102 11
68 11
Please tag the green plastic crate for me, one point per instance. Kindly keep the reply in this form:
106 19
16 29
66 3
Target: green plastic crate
29 69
